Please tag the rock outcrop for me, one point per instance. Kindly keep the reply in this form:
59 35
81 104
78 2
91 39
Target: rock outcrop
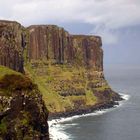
23 114
12 43
68 70
50 42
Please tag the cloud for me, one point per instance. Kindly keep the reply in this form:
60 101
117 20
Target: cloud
109 36
106 16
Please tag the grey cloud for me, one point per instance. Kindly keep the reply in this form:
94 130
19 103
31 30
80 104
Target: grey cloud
110 14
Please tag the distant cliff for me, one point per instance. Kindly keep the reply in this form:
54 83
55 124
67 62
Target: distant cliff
51 42
48 42
68 70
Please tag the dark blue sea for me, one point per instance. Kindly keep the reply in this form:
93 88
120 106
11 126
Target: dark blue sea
119 123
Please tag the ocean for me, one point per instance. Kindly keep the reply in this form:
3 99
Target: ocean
119 123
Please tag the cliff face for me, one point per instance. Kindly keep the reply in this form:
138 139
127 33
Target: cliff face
53 43
47 42
68 69
88 50
12 42
23 114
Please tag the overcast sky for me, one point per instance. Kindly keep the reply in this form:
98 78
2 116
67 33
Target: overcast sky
116 21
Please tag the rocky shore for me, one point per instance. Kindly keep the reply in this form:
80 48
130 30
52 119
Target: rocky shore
88 109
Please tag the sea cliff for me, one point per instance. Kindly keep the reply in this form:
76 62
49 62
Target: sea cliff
12 44
61 73
23 114
68 70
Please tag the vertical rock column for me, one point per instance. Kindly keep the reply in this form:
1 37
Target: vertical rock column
12 43
50 42
88 51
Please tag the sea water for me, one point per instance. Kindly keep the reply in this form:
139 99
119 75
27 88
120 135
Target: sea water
119 123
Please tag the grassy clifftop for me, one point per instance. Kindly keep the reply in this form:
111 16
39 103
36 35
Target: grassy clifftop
5 70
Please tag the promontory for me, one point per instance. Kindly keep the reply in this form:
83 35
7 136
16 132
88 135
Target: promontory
45 69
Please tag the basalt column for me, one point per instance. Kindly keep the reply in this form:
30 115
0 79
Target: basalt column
12 43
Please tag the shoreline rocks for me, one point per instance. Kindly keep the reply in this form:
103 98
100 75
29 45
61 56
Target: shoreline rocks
88 109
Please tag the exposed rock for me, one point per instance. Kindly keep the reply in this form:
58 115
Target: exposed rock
68 69
12 43
50 42
47 42
23 114
88 51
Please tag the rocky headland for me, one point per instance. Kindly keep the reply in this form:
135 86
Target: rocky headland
69 70
61 73
23 114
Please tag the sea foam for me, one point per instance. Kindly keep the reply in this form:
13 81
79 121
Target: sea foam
57 129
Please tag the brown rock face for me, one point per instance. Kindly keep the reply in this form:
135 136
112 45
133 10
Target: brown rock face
23 114
88 51
12 42
50 42
47 42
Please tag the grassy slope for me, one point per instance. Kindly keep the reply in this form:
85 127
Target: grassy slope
4 71
11 80
55 79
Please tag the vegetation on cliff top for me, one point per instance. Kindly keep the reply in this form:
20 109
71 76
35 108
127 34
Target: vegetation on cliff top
11 80
64 87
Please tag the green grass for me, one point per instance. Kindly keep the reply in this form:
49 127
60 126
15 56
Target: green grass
90 98
102 88
3 127
10 81
4 71
52 79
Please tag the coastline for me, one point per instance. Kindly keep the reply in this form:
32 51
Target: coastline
54 123
88 109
